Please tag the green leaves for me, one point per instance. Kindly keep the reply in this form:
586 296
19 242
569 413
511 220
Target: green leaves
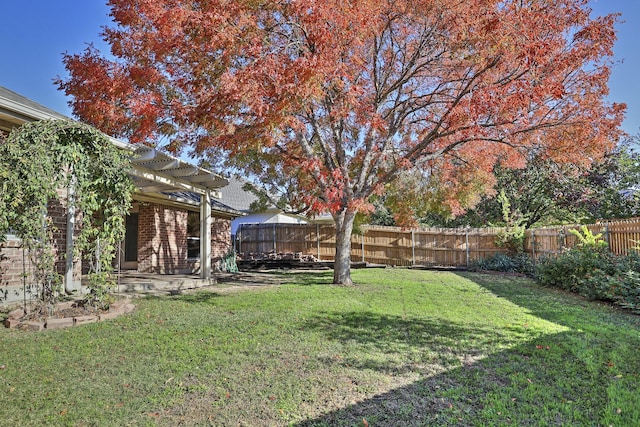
595 273
588 238
50 165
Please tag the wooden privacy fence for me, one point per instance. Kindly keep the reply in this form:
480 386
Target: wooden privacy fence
622 236
377 245
445 247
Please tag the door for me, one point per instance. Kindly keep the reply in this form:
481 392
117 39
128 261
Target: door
130 243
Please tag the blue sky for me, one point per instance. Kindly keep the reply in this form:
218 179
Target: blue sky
35 33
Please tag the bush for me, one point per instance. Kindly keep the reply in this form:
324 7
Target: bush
567 270
518 263
228 262
595 273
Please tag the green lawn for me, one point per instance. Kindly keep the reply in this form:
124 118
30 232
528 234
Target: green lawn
402 347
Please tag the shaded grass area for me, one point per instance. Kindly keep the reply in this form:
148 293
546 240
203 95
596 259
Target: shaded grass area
402 347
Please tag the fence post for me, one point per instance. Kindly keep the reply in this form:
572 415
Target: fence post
318 239
466 244
413 247
362 244
275 249
533 245
606 236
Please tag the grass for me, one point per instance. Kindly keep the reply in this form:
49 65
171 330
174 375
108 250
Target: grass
401 348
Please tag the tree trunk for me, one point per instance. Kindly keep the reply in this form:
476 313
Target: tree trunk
342 266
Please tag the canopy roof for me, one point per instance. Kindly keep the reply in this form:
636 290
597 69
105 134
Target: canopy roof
153 171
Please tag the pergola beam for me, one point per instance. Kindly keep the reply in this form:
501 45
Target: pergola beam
162 178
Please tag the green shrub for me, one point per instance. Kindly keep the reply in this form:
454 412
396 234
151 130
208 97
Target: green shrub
100 286
626 292
568 269
587 238
512 236
228 262
595 273
518 263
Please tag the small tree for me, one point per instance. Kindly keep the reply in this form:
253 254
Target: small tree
512 235
547 192
589 239
38 160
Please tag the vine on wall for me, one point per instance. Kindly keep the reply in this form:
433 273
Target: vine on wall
39 159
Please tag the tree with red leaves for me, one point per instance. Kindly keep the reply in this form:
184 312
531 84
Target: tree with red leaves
342 96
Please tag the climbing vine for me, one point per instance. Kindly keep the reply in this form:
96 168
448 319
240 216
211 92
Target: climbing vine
4 225
57 164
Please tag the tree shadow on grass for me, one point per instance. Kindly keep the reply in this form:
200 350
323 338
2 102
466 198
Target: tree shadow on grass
276 277
309 278
510 387
426 340
202 297
250 278
198 297
470 375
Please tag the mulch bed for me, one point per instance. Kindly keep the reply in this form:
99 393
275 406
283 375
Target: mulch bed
65 314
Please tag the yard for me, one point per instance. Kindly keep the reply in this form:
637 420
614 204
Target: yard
400 348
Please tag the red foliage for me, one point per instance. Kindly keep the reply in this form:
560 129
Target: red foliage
344 95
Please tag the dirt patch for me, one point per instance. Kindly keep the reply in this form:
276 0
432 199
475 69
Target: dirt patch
62 310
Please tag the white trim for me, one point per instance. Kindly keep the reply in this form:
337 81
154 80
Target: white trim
205 235
10 237
167 180
22 112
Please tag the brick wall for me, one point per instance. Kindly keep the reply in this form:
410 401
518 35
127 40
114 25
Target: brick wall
162 243
11 254
58 214
162 240
11 264
220 238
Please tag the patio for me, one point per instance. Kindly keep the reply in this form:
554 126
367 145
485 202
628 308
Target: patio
149 283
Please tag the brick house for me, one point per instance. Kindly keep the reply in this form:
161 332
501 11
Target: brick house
177 213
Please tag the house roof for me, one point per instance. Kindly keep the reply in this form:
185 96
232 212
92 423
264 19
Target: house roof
235 196
195 199
240 200
16 109
153 171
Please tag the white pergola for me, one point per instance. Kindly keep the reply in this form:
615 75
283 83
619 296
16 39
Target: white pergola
155 173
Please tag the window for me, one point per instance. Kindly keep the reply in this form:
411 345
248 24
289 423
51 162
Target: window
11 233
193 235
